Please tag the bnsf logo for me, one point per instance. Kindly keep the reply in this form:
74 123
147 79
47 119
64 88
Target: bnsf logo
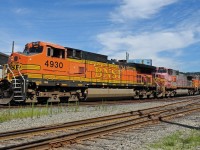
15 66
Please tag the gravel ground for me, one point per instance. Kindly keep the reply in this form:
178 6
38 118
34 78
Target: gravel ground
71 114
139 139
132 139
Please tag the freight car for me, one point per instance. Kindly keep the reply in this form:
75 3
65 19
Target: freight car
46 72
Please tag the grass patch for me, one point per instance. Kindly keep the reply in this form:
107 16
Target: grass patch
31 112
179 141
102 106
74 106
20 113
37 112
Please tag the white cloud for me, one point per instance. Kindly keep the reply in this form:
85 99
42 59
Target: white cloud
165 45
147 45
136 9
21 11
157 41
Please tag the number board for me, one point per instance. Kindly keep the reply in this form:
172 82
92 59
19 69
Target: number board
53 64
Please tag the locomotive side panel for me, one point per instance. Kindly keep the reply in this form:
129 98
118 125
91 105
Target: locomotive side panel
182 81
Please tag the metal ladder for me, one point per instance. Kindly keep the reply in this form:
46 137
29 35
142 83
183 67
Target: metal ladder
17 86
17 90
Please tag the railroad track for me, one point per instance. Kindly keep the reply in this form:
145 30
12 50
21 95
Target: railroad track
121 102
73 132
109 102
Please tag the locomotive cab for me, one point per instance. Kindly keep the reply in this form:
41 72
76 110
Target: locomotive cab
33 48
26 69
169 76
36 57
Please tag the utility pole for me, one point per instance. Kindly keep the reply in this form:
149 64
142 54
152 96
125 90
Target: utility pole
127 56
13 46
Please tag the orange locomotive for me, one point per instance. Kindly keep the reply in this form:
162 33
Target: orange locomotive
49 72
46 72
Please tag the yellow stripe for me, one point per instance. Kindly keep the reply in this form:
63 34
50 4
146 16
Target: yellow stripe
30 67
51 77
38 82
62 77
54 77
34 75
94 63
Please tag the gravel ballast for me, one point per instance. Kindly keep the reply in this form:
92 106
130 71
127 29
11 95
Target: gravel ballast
72 114
132 139
140 139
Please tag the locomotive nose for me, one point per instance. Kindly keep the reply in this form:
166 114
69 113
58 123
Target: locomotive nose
14 62
13 58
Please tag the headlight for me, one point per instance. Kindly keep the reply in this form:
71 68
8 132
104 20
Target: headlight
15 58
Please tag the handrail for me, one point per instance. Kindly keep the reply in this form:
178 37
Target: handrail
156 83
22 78
7 66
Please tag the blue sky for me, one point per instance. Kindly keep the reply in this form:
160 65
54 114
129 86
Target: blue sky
167 31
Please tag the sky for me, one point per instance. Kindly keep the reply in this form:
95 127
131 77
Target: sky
166 31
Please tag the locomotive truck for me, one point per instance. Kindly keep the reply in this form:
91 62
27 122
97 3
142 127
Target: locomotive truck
47 72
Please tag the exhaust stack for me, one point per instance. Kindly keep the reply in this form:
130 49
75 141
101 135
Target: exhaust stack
13 46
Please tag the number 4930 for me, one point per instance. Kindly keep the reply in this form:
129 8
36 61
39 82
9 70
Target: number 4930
53 64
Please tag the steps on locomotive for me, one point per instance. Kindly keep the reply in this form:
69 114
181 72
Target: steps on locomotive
17 90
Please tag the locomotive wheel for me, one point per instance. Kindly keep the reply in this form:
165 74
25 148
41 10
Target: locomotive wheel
5 101
84 95
6 92
74 97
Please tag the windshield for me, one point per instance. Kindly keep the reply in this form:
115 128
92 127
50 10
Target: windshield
33 50
162 70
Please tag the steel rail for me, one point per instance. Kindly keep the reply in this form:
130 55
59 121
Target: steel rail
109 102
96 132
93 121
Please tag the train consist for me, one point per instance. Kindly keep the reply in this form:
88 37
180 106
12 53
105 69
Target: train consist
46 72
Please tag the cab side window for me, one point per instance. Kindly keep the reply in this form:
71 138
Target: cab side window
54 52
49 51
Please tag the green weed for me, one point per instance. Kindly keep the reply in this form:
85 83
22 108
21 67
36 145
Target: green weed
30 112
179 141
